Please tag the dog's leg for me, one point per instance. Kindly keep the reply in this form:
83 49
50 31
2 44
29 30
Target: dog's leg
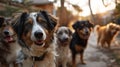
98 40
103 43
73 60
108 44
64 63
81 57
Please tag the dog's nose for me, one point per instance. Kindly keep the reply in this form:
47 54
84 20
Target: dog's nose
38 34
65 39
86 32
6 32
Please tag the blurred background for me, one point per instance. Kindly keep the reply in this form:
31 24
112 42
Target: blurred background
68 11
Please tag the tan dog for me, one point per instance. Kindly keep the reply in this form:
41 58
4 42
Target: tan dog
36 33
106 34
9 47
63 35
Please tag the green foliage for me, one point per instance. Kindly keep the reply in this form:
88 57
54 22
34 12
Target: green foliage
8 11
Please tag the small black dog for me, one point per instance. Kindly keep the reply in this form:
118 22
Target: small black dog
79 40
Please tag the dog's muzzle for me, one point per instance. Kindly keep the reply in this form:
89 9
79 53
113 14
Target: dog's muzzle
8 37
38 35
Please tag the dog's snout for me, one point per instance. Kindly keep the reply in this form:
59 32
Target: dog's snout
64 39
6 32
86 32
38 34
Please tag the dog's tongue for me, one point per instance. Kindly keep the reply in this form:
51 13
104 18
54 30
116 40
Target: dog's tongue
39 42
8 38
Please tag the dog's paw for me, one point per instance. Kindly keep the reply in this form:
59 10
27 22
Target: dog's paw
83 63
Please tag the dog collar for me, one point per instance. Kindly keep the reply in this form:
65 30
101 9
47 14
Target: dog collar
40 58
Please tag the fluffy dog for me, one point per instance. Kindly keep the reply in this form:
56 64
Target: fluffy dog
106 34
9 47
63 35
36 34
79 39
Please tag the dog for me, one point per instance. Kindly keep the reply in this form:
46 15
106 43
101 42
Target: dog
63 36
35 32
106 34
9 47
79 39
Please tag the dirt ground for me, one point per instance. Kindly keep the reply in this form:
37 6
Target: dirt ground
101 57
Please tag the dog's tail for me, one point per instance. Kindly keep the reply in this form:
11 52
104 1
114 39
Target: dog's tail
97 27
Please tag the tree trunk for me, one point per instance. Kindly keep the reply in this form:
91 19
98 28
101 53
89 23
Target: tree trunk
92 15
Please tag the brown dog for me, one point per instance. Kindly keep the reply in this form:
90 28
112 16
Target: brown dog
106 34
9 47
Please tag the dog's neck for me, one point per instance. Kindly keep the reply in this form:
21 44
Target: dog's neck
77 36
79 40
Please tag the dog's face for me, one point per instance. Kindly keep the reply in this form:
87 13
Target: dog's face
63 34
113 28
37 28
7 32
83 28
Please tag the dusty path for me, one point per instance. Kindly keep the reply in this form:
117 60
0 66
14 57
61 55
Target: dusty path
96 57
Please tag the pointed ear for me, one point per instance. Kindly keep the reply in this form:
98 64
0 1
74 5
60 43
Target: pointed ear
75 25
2 20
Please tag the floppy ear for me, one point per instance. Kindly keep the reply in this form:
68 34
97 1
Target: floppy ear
70 32
91 25
76 25
2 20
18 26
51 20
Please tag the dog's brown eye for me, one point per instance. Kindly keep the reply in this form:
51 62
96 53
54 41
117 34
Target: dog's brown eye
60 33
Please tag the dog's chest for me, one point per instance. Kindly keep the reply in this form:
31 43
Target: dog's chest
62 53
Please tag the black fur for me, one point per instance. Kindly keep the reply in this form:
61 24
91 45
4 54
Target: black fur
78 41
82 24
2 20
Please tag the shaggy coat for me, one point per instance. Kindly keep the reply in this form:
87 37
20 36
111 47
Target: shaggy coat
106 34
63 36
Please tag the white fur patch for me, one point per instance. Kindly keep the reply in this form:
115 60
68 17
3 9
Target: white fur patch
36 27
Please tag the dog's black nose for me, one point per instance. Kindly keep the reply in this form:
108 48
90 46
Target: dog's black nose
86 32
6 32
65 39
38 34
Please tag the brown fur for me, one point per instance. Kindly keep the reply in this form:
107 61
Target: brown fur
106 34
8 50
39 50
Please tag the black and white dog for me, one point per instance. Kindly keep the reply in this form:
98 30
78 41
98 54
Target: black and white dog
35 31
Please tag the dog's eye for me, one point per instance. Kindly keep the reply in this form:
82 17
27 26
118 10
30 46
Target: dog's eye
4 25
60 33
43 23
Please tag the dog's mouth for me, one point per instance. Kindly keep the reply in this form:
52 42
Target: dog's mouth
9 39
84 36
39 42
